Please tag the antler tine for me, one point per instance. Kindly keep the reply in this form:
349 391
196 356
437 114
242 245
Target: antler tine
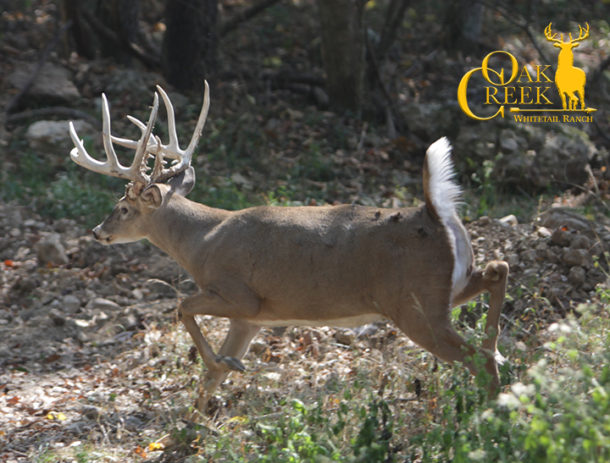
133 144
580 31
114 167
203 115
109 167
138 167
172 149
80 156
135 171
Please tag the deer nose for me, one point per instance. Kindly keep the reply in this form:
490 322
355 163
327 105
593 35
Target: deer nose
96 232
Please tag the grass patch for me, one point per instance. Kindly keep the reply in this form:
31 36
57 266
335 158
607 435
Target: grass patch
555 408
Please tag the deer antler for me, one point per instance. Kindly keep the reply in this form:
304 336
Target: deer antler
548 33
182 158
147 145
136 171
580 34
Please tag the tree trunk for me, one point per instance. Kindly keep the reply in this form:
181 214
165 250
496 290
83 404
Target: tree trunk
463 24
343 52
106 27
121 17
190 44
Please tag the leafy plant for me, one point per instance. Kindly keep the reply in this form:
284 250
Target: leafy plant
559 412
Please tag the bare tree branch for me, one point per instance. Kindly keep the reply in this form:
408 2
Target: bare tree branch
523 24
134 49
393 19
244 15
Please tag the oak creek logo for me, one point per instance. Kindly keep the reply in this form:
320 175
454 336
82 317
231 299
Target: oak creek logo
532 91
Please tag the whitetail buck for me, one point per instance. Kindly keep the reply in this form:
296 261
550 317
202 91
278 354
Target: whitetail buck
569 80
275 266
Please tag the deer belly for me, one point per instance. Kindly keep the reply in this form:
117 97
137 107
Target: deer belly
339 322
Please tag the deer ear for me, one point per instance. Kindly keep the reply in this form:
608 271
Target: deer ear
183 183
152 196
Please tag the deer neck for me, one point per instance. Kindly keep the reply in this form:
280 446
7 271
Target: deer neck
178 228
565 58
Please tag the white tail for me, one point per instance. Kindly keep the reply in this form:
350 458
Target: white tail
443 194
336 265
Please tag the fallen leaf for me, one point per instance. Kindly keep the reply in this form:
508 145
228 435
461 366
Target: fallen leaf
238 419
52 358
153 446
140 451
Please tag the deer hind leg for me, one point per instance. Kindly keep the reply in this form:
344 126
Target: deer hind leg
581 96
492 279
432 330
573 101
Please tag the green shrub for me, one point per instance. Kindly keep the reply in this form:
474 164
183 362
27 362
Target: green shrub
559 412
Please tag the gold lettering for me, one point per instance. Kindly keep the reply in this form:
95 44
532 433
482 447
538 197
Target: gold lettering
525 72
540 94
540 72
490 95
463 98
485 69
525 93
570 118
500 81
509 92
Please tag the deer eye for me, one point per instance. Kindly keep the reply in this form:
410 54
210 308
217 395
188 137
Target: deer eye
123 210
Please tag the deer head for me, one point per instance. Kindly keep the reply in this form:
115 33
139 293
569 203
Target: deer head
147 188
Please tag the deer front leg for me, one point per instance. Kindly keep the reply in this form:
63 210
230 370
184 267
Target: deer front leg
234 346
233 300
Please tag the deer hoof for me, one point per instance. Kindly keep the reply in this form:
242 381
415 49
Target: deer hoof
231 362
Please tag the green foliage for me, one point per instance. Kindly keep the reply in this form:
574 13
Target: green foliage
55 193
303 433
485 189
560 412
223 193
314 165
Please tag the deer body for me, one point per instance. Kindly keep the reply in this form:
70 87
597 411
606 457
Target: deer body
328 265
299 261
570 80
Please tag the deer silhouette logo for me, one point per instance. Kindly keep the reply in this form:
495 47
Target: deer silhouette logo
570 80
